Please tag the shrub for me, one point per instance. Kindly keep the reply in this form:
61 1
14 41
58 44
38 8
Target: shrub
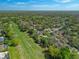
54 52
13 42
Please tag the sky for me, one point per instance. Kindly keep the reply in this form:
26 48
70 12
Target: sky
39 4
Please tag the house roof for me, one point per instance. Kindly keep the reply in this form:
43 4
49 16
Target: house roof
1 38
4 55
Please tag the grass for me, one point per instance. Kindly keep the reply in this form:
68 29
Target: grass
14 53
26 49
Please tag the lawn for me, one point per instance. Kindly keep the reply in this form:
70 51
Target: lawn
26 48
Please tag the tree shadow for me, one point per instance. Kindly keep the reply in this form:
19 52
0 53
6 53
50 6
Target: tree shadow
46 55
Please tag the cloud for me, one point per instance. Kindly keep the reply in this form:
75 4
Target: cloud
73 6
63 1
41 5
45 7
22 3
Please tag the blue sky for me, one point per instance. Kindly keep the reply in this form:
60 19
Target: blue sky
39 4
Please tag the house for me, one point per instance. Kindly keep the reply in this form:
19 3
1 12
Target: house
1 40
4 55
1 43
3 52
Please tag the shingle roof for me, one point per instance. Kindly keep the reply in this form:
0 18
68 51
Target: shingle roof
1 38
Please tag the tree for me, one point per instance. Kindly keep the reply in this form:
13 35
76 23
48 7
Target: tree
44 40
54 52
74 54
65 53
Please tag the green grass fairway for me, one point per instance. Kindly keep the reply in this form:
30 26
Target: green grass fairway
26 49
14 53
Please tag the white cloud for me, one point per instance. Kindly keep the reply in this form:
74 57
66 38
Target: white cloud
45 7
22 3
74 5
63 1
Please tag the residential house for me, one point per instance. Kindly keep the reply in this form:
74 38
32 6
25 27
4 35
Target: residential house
1 43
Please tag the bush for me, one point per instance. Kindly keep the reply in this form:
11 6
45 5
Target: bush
65 53
54 52
74 54
13 42
6 41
